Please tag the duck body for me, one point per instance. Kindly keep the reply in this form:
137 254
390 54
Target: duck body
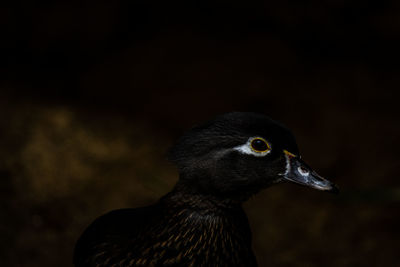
201 222
180 230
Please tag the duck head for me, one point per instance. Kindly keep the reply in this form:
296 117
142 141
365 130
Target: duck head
237 154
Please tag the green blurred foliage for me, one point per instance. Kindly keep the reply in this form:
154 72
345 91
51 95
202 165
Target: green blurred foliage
63 171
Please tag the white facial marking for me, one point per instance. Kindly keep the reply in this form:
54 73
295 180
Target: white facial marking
287 170
246 149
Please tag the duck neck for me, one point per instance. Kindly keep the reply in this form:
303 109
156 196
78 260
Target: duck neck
186 196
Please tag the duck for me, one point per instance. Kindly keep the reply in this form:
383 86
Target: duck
201 221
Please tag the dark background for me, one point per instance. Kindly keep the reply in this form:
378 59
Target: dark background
92 94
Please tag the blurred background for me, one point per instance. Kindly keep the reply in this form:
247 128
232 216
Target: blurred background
92 93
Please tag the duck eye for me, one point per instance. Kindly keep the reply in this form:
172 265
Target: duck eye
259 145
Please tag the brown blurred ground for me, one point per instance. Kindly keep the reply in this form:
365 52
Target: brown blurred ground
93 93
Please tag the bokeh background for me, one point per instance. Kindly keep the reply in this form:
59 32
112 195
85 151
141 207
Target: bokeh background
93 93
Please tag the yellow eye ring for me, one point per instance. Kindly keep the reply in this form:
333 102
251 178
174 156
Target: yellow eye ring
259 145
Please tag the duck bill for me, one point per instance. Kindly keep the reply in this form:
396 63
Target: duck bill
297 171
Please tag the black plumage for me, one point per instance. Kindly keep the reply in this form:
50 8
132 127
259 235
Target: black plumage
201 221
